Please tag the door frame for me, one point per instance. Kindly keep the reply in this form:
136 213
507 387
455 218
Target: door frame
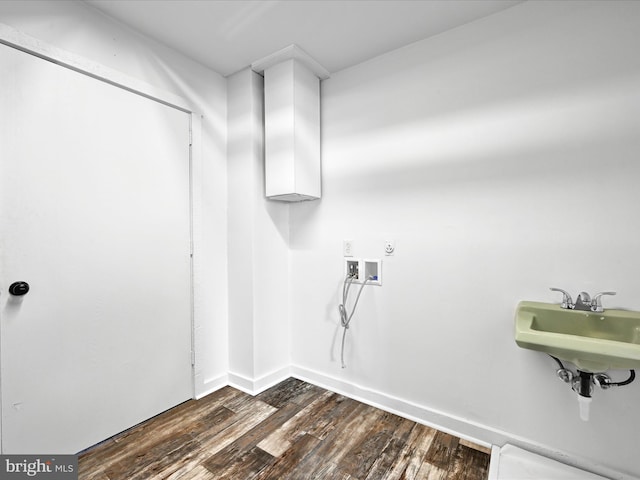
13 38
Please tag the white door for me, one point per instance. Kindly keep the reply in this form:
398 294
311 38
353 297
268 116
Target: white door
94 216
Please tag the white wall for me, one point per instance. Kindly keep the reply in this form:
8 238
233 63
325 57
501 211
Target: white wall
83 31
242 111
259 338
502 157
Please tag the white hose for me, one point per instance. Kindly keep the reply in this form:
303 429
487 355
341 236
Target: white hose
345 318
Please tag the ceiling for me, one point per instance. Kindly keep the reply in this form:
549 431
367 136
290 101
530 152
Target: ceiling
229 35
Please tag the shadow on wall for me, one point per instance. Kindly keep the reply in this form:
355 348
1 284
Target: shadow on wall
569 131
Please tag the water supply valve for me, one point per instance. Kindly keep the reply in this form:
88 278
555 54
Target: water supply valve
565 375
602 380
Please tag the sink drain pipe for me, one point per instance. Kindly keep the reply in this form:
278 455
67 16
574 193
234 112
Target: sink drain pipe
583 387
582 383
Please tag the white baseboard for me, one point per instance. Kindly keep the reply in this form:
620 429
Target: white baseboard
446 422
256 386
211 385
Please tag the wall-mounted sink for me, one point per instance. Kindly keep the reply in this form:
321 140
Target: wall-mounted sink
593 342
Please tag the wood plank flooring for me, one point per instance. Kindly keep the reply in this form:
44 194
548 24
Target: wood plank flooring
292 431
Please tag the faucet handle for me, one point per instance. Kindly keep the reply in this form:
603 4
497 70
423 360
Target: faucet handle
596 301
567 302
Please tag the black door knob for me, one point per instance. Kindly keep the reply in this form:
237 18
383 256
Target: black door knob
18 288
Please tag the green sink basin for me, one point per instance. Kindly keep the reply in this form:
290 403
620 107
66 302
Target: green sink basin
593 342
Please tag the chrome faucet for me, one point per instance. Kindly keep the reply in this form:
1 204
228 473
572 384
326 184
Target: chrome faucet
583 302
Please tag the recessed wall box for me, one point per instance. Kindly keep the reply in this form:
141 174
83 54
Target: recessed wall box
360 269
372 269
352 268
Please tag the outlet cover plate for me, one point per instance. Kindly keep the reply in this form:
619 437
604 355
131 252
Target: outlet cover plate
389 247
347 248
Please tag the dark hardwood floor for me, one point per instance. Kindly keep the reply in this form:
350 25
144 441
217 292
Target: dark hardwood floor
291 431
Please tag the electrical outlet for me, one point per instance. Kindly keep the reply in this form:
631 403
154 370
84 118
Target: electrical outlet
389 247
347 248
